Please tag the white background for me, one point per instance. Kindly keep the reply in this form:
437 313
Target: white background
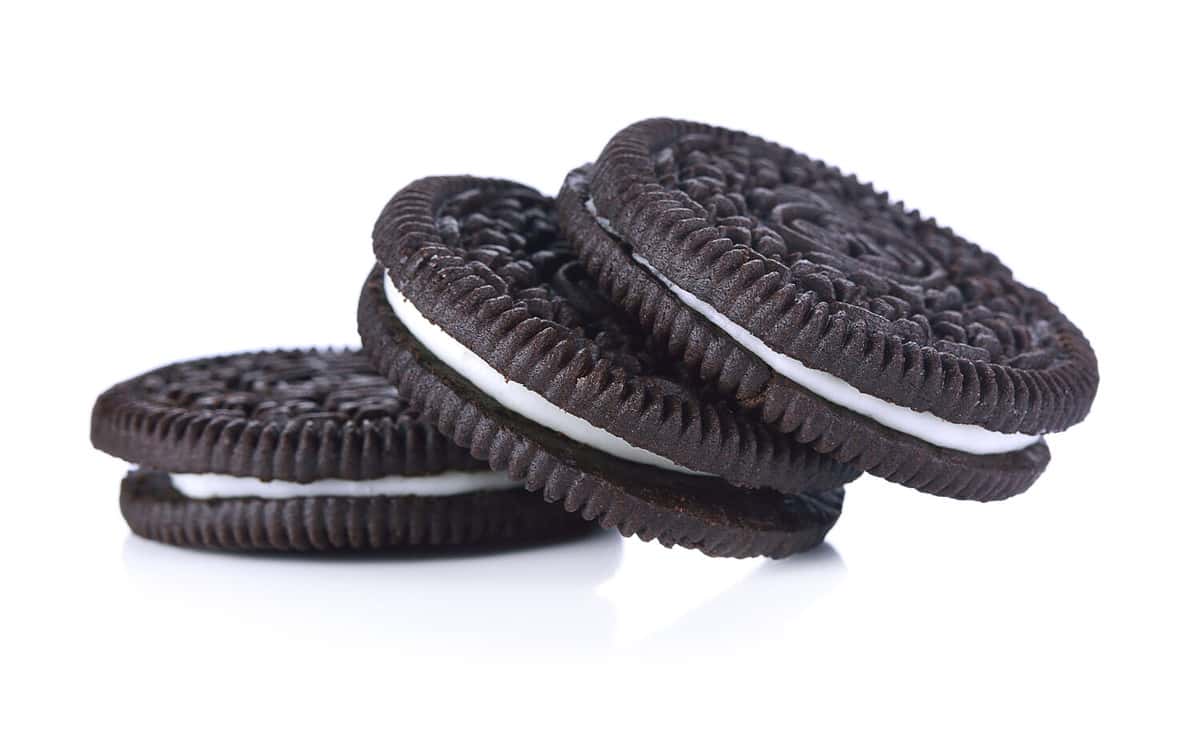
176 183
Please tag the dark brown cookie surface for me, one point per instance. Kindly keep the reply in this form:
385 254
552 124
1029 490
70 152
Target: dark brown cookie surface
828 271
742 376
293 415
482 263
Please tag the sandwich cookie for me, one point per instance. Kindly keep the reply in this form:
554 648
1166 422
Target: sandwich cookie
478 312
877 336
300 451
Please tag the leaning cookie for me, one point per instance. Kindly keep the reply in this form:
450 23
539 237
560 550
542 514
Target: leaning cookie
878 337
301 451
479 312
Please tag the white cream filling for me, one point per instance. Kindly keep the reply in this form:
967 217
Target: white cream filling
923 425
445 484
512 395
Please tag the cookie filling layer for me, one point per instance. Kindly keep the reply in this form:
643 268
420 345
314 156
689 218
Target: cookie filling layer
445 484
514 396
926 426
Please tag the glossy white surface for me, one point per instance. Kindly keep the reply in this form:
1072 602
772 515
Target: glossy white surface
175 184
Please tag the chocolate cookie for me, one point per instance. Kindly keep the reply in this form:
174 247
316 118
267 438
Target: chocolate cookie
299 451
480 314
880 338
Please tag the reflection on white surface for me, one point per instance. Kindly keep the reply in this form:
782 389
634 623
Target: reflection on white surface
586 597
675 598
759 607
467 603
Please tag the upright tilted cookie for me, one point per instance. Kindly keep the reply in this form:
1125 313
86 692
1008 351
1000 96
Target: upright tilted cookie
877 336
299 451
480 314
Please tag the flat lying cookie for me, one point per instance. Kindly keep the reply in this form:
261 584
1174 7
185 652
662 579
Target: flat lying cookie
485 320
300 451
878 337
